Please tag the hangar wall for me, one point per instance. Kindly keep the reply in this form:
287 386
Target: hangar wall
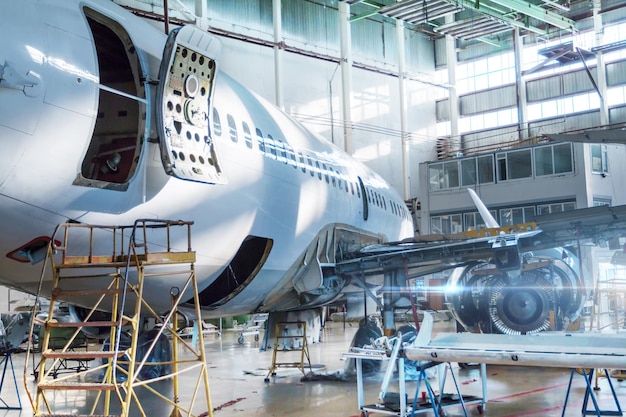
311 77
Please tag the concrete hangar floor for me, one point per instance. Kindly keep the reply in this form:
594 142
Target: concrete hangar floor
237 382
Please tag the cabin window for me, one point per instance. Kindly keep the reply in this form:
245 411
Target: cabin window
217 124
319 170
247 137
114 151
270 146
292 155
232 128
301 159
310 162
260 140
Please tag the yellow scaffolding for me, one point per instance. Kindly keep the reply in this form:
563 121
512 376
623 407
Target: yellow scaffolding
114 281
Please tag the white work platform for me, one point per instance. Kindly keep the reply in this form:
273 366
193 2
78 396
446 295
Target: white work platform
584 352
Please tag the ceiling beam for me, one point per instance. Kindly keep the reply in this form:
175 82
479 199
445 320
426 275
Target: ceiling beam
538 13
487 8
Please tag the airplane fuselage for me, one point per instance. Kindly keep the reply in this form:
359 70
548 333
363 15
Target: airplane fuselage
82 140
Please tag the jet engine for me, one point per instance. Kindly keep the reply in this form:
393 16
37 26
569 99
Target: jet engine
545 293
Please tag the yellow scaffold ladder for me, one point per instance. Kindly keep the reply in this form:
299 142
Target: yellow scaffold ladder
89 263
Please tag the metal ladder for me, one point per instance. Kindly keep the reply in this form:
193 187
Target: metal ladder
89 261
294 332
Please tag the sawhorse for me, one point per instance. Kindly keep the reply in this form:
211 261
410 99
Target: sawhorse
7 359
589 394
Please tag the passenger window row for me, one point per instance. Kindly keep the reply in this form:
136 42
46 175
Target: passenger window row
283 152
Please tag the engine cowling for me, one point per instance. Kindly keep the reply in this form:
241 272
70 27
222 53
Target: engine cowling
546 293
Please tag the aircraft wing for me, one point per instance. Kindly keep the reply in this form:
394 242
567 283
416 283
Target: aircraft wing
432 253
559 350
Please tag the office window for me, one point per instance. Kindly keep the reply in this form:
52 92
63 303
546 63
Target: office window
468 172
512 216
514 165
443 175
485 169
446 224
599 159
553 159
555 208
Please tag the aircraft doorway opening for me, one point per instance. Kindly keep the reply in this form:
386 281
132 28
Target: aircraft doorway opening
244 267
115 146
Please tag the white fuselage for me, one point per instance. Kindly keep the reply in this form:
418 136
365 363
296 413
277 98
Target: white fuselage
50 84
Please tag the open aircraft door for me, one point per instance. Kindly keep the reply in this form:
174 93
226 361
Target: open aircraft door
184 104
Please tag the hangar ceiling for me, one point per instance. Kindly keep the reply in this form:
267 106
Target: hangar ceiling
478 19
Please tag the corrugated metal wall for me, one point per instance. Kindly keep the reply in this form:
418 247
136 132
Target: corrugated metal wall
557 86
565 123
489 139
616 73
489 100
617 115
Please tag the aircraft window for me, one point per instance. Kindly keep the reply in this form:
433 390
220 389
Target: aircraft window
358 191
301 159
232 128
352 187
217 125
292 156
246 134
280 147
319 170
310 162
325 173
384 202
334 179
261 140
270 146
117 138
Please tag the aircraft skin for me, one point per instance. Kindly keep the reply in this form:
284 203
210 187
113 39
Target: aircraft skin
65 113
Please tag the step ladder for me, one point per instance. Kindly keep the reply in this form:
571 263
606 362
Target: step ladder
289 338
89 264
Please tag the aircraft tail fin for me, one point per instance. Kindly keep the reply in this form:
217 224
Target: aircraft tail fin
490 222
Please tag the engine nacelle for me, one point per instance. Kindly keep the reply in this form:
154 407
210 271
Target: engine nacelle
545 293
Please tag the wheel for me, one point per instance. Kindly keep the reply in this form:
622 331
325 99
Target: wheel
267 380
256 337
240 340
480 409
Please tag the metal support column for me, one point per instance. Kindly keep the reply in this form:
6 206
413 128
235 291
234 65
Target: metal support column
346 73
278 52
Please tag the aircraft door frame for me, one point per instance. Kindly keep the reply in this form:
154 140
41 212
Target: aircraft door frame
184 106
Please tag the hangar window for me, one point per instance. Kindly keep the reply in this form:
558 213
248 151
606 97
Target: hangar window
113 153
246 134
217 124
